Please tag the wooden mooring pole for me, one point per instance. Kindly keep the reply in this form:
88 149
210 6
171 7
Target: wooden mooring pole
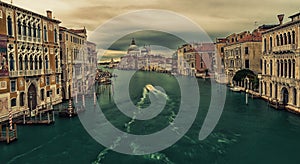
53 115
7 134
16 131
48 116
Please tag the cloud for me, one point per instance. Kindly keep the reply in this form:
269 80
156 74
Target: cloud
214 16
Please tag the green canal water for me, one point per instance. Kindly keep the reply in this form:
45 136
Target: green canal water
245 134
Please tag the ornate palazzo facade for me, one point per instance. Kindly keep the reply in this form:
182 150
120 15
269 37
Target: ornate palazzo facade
30 60
280 78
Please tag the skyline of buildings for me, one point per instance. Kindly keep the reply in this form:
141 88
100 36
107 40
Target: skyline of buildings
43 63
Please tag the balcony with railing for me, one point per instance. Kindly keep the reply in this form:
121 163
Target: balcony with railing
288 47
21 73
284 80
48 71
13 73
58 70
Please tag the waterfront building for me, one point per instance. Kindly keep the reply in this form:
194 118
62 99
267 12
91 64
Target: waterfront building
72 46
186 60
30 68
241 51
91 66
142 59
79 64
205 58
195 59
219 61
280 78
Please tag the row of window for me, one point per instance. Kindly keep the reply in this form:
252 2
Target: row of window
281 39
233 64
31 62
13 84
26 29
13 101
237 51
265 90
73 39
285 68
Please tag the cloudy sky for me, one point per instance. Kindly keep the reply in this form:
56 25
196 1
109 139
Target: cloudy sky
218 18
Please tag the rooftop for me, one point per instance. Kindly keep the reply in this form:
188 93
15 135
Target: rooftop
28 11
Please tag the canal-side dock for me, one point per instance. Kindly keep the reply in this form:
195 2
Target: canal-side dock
8 135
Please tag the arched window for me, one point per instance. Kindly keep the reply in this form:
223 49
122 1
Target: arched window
19 27
277 40
11 62
261 87
26 62
56 62
265 45
45 33
285 68
281 40
22 99
295 96
290 68
36 63
289 38
31 62
20 63
271 90
46 62
29 29
271 43
55 35
271 67
39 32
281 68
285 39
293 72
293 37
265 88
40 63
9 26
278 67
265 67
24 28
276 90
34 30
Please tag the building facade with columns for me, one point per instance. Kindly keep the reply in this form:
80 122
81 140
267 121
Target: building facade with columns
242 51
72 48
219 65
30 60
280 78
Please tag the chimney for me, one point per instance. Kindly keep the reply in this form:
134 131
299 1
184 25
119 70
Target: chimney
280 18
49 14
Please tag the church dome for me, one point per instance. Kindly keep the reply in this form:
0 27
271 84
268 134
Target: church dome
133 46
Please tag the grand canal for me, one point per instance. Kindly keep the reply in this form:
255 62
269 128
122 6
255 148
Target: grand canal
252 133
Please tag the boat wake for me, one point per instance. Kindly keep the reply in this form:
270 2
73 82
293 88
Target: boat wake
149 89
135 148
142 100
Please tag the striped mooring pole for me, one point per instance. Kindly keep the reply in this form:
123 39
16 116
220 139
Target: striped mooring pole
10 117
